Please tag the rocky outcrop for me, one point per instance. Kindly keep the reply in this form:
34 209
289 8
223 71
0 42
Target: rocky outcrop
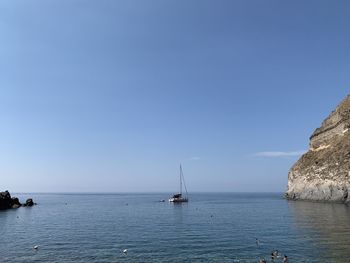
6 201
29 202
15 202
323 173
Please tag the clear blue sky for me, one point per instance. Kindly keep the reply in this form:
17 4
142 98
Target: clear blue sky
112 95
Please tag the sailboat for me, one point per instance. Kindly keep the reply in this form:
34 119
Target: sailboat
179 198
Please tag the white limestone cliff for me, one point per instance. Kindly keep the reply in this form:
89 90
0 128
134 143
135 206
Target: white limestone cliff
323 173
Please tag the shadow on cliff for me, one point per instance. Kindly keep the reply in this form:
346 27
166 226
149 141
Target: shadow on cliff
326 225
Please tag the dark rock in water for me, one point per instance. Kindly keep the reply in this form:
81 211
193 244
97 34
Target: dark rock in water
29 202
323 173
5 200
15 202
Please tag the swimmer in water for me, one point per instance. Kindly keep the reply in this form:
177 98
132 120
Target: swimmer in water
274 254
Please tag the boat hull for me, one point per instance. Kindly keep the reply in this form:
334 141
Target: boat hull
178 200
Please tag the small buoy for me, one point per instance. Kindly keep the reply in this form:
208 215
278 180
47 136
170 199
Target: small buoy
125 251
35 247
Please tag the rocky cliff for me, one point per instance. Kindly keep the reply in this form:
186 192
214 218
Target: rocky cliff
323 173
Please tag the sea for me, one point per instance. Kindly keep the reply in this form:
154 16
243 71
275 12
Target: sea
211 227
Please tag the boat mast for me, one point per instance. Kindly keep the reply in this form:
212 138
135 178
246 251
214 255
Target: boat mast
180 179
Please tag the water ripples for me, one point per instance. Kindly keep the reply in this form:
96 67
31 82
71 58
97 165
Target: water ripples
210 228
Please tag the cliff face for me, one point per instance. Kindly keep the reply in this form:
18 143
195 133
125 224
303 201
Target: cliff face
323 173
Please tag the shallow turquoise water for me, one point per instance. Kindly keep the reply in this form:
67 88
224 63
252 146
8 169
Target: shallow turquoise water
210 228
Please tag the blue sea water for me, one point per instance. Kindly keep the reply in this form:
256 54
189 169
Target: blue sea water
212 227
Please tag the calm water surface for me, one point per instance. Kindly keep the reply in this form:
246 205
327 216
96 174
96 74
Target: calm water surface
210 228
